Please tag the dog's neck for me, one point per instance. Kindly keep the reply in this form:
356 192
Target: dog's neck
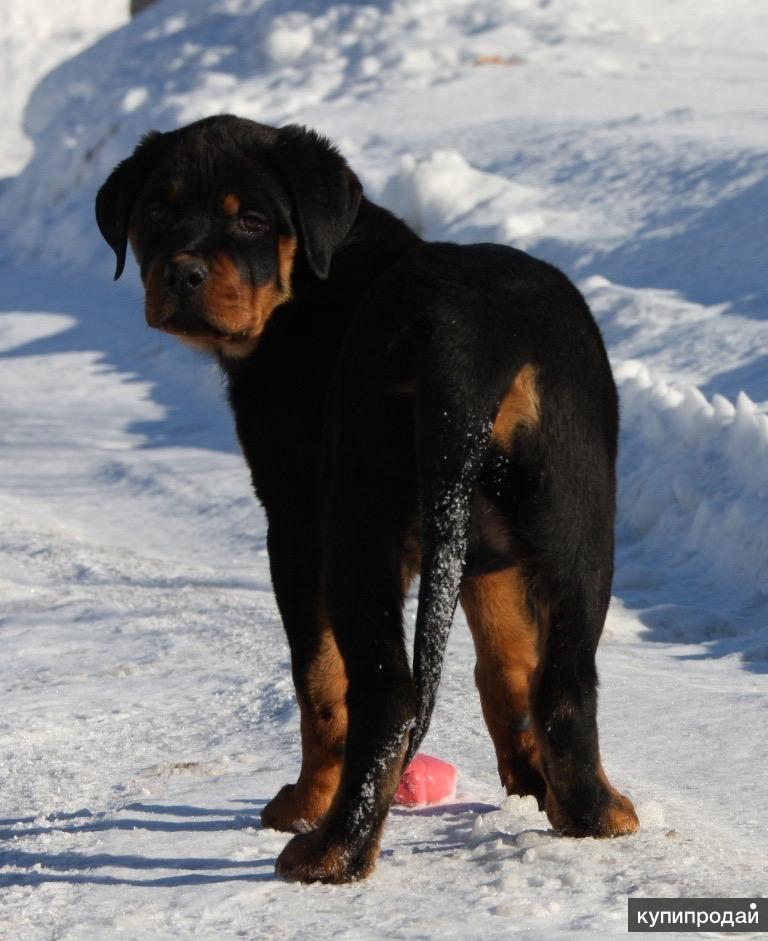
375 242
377 228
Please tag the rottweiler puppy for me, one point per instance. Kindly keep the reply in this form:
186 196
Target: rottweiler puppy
404 408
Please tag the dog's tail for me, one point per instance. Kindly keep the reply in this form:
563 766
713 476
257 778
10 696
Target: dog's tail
453 432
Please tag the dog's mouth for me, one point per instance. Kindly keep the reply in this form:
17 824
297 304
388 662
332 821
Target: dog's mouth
224 319
185 322
194 330
186 326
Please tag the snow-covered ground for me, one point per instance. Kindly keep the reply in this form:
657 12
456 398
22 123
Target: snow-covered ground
146 710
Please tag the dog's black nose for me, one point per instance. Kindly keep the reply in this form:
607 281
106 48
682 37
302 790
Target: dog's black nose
185 275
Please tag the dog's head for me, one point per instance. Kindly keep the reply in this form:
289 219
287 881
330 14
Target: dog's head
215 213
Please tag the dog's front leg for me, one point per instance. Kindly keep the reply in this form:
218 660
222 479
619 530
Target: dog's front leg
318 675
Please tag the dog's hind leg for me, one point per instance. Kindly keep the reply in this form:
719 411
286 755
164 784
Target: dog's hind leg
570 566
505 631
580 800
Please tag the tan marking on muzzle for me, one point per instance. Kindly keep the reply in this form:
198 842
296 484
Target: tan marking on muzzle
230 306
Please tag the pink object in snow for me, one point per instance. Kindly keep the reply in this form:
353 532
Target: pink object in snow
426 780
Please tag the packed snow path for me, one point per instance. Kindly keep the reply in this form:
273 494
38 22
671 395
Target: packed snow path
147 710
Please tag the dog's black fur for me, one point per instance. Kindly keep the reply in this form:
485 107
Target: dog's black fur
403 406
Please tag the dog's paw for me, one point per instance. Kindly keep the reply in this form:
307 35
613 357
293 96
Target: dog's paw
616 816
309 857
619 817
293 810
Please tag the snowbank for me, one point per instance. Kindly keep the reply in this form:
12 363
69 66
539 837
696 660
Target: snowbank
182 59
33 39
443 197
693 479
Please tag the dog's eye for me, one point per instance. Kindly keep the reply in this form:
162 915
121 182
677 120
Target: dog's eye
157 214
252 223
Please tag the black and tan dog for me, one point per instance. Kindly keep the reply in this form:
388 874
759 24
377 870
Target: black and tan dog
404 407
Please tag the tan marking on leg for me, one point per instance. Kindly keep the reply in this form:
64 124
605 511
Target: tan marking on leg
520 406
506 635
323 733
323 725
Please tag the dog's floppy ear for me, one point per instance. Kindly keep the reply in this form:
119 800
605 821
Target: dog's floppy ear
116 197
325 192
